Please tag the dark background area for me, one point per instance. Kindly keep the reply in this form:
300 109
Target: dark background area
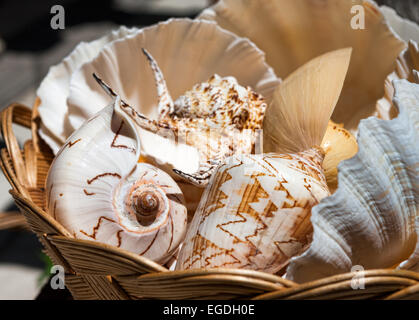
24 24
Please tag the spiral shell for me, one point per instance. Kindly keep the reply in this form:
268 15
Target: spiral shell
98 191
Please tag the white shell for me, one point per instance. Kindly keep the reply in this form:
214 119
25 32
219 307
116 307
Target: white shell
54 89
255 212
372 219
293 32
407 65
95 186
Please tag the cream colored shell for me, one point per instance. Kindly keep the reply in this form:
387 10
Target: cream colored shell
98 191
372 220
255 213
338 144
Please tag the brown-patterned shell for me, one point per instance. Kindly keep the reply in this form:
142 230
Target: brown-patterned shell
98 191
255 212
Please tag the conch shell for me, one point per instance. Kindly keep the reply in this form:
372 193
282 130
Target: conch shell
291 32
55 88
255 213
98 191
404 28
372 220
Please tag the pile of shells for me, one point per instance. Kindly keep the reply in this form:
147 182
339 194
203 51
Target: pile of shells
286 146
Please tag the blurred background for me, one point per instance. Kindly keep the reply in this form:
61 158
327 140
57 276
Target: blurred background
28 47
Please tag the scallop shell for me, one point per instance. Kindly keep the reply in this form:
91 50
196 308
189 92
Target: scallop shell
293 32
54 89
407 64
98 191
372 219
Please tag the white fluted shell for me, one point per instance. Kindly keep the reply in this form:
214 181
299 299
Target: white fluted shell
404 28
372 219
293 32
54 89
98 191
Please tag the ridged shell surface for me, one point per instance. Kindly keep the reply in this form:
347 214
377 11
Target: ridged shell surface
372 220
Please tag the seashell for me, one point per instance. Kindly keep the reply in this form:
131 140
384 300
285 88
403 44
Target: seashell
372 219
98 191
338 144
404 28
193 51
293 32
54 89
218 117
406 65
255 211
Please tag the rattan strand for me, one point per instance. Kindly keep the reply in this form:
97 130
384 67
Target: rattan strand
98 271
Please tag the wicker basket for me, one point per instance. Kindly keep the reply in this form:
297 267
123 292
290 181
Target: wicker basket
98 271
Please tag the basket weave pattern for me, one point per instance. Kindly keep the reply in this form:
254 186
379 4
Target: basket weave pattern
99 271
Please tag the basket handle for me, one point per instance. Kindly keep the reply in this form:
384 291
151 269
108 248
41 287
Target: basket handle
18 114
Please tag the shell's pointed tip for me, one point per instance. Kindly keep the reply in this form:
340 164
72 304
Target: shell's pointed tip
146 53
104 86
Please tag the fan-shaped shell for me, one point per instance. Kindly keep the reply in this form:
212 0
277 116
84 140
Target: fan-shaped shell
293 32
55 88
98 191
372 219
